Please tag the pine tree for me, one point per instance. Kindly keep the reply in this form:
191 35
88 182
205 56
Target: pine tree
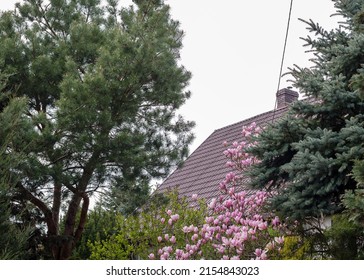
353 200
306 158
103 85
14 237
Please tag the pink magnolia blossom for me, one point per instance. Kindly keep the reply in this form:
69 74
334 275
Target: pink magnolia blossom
186 229
235 227
194 237
279 239
264 256
225 241
263 226
212 203
275 221
175 217
179 253
258 252
165 256
168 249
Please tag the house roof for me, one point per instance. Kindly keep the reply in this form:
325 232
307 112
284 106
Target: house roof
205 168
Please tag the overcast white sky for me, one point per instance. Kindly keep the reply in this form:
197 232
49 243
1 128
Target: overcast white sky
233 49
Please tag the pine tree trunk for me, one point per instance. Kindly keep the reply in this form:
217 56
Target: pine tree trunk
63 245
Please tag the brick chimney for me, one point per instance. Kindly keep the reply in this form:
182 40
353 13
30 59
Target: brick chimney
285 97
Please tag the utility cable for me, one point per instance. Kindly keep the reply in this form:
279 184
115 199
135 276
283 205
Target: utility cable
283 54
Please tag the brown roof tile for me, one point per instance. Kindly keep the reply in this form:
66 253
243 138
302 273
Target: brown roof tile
205 168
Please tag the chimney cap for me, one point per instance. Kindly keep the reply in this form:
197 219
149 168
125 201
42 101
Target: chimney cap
286 96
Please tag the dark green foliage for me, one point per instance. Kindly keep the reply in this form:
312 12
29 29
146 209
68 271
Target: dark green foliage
102 86
125 199
14 238
308 156
354 200
14 234
345 239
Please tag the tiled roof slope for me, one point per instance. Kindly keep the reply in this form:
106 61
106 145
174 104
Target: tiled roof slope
205 168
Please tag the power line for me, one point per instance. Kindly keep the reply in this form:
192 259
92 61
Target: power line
283 54
285 44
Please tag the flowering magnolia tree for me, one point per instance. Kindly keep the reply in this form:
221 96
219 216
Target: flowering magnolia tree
237 227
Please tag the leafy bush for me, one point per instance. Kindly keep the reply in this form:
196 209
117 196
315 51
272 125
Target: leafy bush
136 236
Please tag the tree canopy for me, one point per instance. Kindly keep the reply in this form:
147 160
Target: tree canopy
102 85
307 158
